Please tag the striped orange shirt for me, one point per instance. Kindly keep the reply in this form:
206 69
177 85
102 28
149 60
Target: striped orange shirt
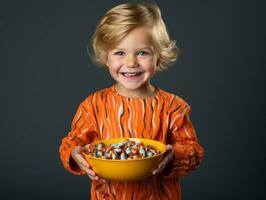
163 117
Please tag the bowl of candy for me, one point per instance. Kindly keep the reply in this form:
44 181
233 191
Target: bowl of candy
124 159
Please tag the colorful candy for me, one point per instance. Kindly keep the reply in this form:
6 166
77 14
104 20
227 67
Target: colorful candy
124 150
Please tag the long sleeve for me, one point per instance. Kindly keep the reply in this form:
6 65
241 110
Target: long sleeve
83 131
188 152
164 117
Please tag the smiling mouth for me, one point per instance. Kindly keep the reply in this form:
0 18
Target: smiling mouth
129 74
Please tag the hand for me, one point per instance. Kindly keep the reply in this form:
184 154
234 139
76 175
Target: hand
169 154
76 154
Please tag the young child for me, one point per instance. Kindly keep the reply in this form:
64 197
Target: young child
132 42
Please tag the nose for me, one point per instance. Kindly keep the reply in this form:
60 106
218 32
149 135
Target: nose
131 61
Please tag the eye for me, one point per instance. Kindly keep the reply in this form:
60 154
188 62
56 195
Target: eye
143 53
119 53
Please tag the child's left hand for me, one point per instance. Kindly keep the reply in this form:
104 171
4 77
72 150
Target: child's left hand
169 154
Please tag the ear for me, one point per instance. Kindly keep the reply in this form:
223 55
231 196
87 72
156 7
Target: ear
106 62
158 63
105 58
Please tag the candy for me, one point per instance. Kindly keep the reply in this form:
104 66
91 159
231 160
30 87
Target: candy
124 150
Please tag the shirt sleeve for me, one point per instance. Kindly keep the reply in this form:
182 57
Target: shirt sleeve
83 131
188 153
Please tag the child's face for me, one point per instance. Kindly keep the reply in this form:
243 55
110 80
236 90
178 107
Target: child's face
132 63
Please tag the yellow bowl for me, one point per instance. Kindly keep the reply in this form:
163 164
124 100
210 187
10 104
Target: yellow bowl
126 170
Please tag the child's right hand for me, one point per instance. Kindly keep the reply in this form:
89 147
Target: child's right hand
76 154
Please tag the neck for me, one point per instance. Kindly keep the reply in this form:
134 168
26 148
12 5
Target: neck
144 92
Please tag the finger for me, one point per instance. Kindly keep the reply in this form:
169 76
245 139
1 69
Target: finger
89 172
94 178
169 154
169 147
79 159
76 151
102 180
163 164
83 162
165 161
160 167
156 171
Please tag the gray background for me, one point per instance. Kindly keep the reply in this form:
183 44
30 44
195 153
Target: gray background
45 73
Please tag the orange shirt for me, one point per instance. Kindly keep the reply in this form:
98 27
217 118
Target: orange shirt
164 117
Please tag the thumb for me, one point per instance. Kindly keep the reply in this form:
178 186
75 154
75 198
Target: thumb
169 151
169 147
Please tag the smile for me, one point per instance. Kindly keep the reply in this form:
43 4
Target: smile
131 74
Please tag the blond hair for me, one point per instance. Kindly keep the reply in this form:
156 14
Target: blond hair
120 20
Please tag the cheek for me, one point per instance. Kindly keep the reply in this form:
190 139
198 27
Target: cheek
150 64
114 67
110 61
114 74
114 63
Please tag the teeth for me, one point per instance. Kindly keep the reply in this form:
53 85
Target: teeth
130 74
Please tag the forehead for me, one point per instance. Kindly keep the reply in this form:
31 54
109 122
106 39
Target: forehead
138 37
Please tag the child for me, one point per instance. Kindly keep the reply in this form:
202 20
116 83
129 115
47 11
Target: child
131 41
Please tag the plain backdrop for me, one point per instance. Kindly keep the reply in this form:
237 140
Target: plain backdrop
45 73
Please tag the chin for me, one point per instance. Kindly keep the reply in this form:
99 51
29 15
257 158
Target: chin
132 86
